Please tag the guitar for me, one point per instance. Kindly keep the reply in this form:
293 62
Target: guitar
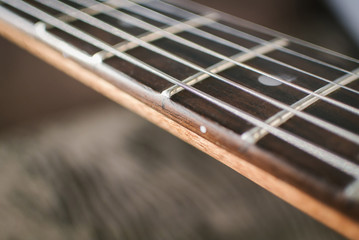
233 89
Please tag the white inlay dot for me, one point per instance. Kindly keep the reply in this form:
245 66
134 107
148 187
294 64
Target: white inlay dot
203 129
271 82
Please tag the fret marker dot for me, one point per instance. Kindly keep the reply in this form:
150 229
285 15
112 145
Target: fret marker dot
203 129
268 81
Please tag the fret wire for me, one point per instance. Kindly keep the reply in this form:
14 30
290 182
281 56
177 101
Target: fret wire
251 25
90 11
319 122
211 19
334 160
84 17
255 134
104 26
153 36
223 41
293 110
69 19
224 65
238 33
148 37
338 131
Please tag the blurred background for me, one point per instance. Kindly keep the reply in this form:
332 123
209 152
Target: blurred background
74 165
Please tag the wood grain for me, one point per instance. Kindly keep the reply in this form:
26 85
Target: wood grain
320 211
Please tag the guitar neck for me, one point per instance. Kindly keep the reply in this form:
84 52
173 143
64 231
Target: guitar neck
280 111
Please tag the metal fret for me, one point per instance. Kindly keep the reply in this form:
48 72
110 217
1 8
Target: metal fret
151 14
153 36
224 65
91 11
115 31
257 133
178 7
68 19
330 158
242 65
163 6
335 163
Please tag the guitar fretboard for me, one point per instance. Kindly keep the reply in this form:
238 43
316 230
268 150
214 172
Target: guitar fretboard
284 105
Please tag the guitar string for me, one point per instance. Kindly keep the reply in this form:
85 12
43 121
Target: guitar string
216 54
338 162
201 33
238 33
247 24
329 128
81 15
190 27
115 31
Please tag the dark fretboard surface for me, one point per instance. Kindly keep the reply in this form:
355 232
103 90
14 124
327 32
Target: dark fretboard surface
310 95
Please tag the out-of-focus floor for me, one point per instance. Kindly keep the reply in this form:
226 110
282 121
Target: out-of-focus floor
76 166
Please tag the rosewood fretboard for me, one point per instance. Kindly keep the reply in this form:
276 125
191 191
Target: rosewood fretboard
280 111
